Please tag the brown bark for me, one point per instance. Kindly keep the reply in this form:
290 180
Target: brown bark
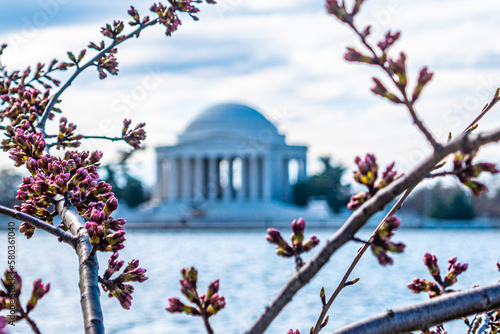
429 313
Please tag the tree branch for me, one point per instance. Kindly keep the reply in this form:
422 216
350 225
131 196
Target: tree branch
487 108
359 255
41 124
63 236
50 145
429 313
394 209
418 122
359 218
409 104
26 317
104 137
89 268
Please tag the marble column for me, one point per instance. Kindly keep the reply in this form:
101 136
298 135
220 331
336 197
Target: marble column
198 178
174 179
285 182
266 178
229 174
302 169
160 177
254 178
165 185
186 179
243 191
213 179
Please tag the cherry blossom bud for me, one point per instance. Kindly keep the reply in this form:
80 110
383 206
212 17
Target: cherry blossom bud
390 39
39 290
274 236
12 282
453 271
333 7
113 265
354 55
190 275
380 89
95 157
116 237
357 200
217 303
212 289
111 205
32 166
188 290
430 261
357 5
176 306
424 77
310 243
299 226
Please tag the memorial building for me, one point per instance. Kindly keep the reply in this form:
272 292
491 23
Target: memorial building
229 165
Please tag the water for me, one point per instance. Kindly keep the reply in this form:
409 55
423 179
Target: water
250 277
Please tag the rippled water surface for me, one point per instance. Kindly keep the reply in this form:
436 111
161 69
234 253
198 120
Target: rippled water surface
250 277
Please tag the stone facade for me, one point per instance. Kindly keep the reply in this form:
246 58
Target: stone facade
230 153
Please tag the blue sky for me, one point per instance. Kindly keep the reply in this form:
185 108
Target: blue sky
285 58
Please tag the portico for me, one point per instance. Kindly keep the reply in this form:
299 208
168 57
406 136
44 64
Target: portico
230 154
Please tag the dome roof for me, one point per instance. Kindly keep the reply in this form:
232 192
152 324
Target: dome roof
228 118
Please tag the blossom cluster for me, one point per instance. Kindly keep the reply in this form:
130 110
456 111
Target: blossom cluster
67 137
439 330
116 287
466 171
298 245
396 68
167 14
382 243
367 175
206 305
133 137
21 103
339 10
74 176
107 63
454 270
9 297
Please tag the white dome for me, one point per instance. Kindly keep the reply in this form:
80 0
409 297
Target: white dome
230 118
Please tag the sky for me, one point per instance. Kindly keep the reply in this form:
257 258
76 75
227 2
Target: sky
282 57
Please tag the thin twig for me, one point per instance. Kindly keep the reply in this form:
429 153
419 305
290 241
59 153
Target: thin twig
104 137
359 218
2 69
359 254
207 324
487 108
55 98
440 174
393 210
359 240
409 104
21 216
25 316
